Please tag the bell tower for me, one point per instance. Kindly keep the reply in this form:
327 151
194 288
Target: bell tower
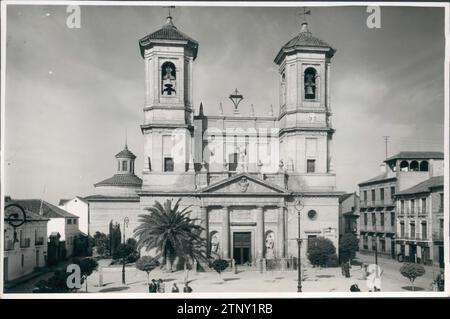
305 125
168 113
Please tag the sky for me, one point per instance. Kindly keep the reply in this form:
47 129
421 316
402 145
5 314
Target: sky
72 95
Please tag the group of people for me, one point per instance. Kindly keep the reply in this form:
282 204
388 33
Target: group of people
371 273
158 286
439 283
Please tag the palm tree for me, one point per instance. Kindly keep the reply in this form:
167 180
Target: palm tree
171 232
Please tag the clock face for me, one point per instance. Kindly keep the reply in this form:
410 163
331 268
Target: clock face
312 214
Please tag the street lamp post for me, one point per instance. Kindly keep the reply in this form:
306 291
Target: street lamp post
126 220
299 206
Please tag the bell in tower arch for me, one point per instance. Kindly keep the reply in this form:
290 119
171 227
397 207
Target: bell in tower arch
310 83
168 79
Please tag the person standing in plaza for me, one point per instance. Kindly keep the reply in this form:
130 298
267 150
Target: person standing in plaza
160 286
152 286
187 288
175 288
373 281
440 281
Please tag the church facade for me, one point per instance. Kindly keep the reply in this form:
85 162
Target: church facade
245 176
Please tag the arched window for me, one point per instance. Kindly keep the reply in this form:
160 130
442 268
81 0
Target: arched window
424 166
310 84
404 166
414 166
168 79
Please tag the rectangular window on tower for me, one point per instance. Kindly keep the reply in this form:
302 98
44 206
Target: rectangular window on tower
311 166
168 164
124 166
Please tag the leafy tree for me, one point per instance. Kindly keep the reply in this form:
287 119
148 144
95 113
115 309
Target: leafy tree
171 232
101 242
123 252
219 265
147 264
87 267
82 245
412 271
115 237
348 246
321 252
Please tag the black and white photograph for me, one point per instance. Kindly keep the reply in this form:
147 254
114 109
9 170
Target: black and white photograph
224 150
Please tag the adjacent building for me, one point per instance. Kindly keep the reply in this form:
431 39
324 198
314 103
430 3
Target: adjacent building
242 173
25 246
420 222
349 214
79 207
59 221
378 218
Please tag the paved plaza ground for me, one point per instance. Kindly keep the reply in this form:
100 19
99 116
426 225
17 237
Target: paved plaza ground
315 279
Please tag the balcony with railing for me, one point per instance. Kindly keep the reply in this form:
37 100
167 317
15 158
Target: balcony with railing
388 201
9 244
367 203
410 212
438 235
25 243
39 241
422 212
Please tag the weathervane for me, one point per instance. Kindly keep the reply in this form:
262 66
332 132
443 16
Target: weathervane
304 13
168 9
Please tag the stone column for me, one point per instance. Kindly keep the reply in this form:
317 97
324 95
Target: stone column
225 233
281 233
259 232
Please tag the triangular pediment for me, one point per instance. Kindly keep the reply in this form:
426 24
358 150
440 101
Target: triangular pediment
245 184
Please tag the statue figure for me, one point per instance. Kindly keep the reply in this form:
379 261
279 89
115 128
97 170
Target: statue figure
270 242
215 242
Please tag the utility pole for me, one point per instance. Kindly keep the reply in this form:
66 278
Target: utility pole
386 141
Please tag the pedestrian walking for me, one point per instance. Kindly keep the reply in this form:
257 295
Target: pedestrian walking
161 287
152 286
187 288
175 288
440 281
373 281
347 269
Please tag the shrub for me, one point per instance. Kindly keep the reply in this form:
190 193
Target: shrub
82 245
412 271
87 267
348 246
101 243
55 284
333 261
321 252
271 264
219 265
147 264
